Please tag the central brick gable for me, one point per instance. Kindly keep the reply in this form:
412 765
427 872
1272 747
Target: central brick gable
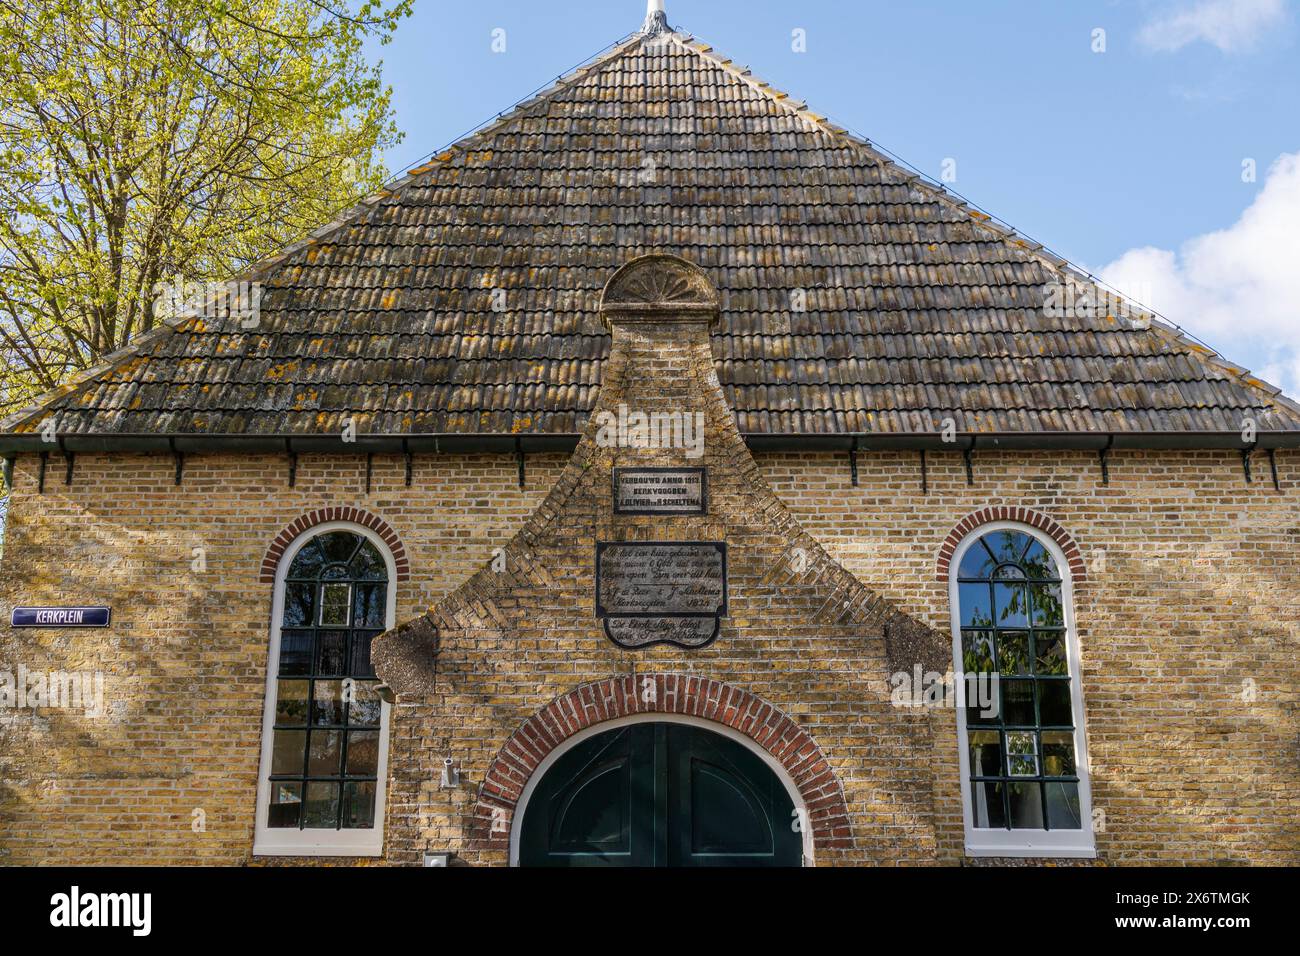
523 631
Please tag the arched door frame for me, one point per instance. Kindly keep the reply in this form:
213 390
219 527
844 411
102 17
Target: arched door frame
722 730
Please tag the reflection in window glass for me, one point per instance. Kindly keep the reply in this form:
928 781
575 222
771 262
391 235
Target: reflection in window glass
1023 768
325 743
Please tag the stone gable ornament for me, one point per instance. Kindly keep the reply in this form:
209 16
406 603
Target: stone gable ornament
660 287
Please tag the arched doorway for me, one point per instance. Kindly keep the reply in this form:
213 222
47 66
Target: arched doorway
658 793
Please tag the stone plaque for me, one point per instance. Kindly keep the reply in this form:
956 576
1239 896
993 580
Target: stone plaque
661 592
660 491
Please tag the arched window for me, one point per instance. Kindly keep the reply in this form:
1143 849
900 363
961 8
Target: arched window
1020 708
325 729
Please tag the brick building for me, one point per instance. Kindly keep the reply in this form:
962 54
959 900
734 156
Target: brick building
660 476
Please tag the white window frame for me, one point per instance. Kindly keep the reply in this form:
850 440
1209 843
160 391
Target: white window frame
984 841
276 841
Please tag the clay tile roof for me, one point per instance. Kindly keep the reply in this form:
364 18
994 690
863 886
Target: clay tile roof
916 308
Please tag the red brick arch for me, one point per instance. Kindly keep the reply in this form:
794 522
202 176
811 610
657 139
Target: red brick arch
323 516
600 701
1035 519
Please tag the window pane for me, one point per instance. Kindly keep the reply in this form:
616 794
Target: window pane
338 546
1047 605
322 809
977 562
286 804
291 702
327 705
976 605
358 805
1038 563
1012 610
983 694
368 605
1013 652
368 565
1058 753
980 712
1026 805
977 652
295 653
298 604
335 604
307 563
363 753
1006 545
331 659
366 707
985 753
361 665
1022 755
1049 649
287 750
326 753
1063 806
1054 703
1018 702
988 810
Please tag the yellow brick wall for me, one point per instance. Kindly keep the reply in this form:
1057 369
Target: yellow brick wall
1194 591
185 659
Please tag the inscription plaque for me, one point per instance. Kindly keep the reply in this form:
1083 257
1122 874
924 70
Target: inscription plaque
660 491
661 592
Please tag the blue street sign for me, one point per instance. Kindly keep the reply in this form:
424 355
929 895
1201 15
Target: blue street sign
60 617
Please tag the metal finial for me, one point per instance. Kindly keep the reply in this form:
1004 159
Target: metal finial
656 20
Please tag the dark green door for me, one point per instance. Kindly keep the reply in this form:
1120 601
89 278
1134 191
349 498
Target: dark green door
659 795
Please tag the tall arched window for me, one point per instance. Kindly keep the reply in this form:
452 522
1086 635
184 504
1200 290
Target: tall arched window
1020 714
325 729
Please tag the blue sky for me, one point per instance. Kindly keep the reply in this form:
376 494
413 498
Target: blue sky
1128 161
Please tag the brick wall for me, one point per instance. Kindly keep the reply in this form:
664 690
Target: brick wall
185 659
1194 589
1192 593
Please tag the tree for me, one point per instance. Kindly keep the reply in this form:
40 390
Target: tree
150 143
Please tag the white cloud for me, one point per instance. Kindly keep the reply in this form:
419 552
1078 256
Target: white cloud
1231 25
1238 288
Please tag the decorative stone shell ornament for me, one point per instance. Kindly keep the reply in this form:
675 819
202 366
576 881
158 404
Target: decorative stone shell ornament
659 286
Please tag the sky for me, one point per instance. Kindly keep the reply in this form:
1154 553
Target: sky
1155 143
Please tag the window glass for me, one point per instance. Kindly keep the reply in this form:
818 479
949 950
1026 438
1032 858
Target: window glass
325 738
1023 768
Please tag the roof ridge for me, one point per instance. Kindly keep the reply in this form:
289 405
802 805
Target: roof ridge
1159 325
